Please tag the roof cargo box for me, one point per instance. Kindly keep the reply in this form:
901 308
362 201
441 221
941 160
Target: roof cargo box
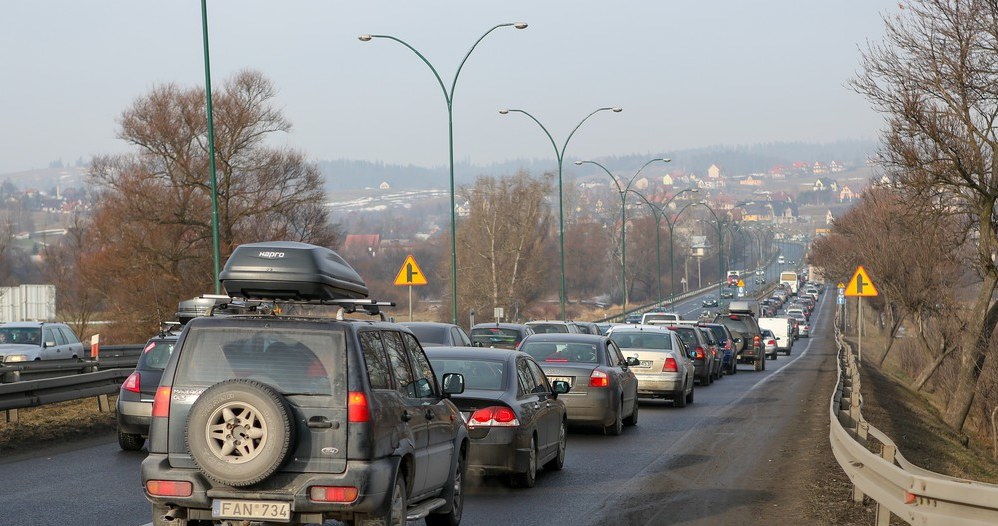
290 270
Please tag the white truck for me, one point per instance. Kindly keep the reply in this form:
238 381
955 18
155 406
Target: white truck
783 329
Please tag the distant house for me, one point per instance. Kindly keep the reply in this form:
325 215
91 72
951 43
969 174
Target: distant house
784 211
358 243
384 186
846 194
699 246
751 181
823 184
713 172
829 218
667 180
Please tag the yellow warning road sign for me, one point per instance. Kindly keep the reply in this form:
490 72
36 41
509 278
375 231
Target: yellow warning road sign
410 273
860 284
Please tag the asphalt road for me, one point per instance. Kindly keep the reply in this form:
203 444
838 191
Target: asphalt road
716 461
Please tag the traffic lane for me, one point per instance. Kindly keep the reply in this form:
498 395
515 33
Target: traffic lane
606 477
728 469
96 484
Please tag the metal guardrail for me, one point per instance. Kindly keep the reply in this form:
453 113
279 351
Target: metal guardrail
109 357
914 494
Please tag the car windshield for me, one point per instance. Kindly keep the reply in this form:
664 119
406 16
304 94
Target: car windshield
487 375
687 335
642 340
496 337
155 354
561 352
21 335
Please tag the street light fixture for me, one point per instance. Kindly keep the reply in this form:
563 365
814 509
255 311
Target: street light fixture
623 219
449 97
560 154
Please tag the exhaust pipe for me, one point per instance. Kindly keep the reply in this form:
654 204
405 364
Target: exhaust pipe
171 515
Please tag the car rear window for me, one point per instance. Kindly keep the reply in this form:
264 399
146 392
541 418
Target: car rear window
562 352
687 335
550 328
496 337
736 323
718 332
431 334
487 375
292 361
155 354
642 340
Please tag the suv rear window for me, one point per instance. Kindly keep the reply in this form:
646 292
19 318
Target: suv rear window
297 361
737 323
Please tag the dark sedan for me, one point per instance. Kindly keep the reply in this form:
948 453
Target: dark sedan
515 418
604 388
134 405
431 333
504 335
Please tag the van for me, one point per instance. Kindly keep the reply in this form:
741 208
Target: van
659 318
782 328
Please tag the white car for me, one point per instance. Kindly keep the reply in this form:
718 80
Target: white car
666 370
29 341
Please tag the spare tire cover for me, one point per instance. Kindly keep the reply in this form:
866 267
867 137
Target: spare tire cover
239 432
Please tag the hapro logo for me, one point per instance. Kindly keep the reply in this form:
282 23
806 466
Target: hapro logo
271 254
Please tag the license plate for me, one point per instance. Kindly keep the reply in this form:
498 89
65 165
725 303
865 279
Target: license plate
645 364
567 379
251 509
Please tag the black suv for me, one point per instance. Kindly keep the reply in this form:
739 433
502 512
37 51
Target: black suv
746 335
272 410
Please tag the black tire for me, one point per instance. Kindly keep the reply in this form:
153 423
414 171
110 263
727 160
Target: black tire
689 397
734 366
454 494
760 364
632 419
558 462
239 432
617 427
130 442
679 399
529 478
395 515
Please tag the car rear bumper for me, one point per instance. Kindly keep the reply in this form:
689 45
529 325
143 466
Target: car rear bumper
658 385
372 479
133 417
500 450
594 408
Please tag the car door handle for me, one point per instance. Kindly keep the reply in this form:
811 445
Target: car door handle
429 414
321 422
406 416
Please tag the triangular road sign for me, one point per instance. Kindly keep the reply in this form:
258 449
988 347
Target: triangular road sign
860 284
410 273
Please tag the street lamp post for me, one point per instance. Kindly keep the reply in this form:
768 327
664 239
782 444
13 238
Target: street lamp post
720 249
623 218
672 244
449 98
560 154
659 213
216 253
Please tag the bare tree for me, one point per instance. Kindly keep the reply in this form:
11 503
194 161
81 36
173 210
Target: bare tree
503 242
936 81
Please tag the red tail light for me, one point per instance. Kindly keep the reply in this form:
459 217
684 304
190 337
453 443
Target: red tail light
332 493
357 408
699 353
161 403
495 416
757 341
132 382
169 488
599 379
771 342
670 366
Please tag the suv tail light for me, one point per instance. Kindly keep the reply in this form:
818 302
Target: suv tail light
771 342
670 365
599 379
494 416
132 383
161 403
357 408
169 488
757 341
332 493
699 353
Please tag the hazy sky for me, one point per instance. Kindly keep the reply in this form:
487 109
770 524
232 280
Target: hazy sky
687 74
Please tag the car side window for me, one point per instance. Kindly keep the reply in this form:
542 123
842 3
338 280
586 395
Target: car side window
543 386
616 357
60 338
525 378
426 386
48 335
68 334
376 360
399 359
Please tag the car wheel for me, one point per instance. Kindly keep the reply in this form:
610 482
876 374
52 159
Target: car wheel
558 462
632 419
617 427
679 399
760 364
239 432
455 495
529 478
130 442
395 515
689 397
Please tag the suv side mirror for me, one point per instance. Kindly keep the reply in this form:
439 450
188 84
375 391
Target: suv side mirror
453 384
